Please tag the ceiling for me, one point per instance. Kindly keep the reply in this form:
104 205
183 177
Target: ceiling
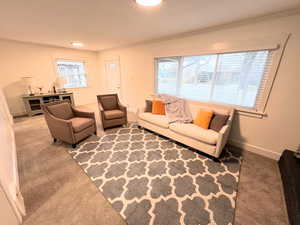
105 24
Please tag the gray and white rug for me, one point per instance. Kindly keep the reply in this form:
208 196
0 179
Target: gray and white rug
150 179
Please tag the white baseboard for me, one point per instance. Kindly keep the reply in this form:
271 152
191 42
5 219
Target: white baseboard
256 149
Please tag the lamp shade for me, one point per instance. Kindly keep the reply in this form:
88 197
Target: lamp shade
60 81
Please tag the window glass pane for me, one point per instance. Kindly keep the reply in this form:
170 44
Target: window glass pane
167 70
228 78
73 73
238 77
197 77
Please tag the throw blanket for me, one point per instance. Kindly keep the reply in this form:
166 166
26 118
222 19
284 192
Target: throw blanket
176 109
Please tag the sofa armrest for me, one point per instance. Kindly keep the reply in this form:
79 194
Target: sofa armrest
140 110
122 107
79 113
222 140
100 107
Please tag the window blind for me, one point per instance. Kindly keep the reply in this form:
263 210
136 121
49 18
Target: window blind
238 78
73 73
262 91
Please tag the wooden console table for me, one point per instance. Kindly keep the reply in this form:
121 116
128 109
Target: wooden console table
290 173
33 103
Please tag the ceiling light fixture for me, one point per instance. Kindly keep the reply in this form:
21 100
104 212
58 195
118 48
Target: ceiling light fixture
148 2
77 44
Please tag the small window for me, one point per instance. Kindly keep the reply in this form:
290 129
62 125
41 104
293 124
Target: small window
73 72
227 78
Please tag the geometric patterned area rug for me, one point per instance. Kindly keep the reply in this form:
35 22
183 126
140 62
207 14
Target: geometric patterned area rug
149 179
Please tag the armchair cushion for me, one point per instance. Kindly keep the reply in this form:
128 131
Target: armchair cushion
81 123
113 114
61 111
109 102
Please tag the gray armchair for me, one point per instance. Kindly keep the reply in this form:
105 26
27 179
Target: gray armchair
112 112
67 123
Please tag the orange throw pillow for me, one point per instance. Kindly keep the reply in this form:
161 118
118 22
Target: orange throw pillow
158 107
203 118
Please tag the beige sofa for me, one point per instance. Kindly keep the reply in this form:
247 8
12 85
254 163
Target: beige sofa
207 141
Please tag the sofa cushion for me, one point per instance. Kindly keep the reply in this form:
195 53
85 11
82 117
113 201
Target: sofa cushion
160 120
196 132
109 102
203 118
218 121
148 107
158 107
61 110
81 123
113 114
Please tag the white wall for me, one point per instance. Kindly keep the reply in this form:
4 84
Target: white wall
19 59
267 136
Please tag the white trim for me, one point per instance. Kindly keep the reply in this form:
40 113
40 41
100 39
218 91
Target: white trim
199 52
255 149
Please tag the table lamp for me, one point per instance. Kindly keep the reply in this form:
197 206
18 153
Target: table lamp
28 82
61 81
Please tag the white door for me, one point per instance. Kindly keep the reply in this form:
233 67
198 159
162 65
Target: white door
113 75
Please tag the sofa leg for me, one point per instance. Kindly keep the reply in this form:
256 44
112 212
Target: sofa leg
73 145
216 160
95 132
54 140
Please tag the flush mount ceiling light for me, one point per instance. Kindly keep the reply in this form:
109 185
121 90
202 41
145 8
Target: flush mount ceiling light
77 44
148 2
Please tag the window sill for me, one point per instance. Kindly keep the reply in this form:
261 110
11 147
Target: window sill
74 88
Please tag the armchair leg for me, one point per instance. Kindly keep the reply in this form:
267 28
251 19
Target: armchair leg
54 140
73 145
95 132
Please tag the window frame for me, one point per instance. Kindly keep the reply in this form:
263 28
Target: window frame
73 60
271 75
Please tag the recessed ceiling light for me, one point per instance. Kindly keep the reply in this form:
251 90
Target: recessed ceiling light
77 44
148 2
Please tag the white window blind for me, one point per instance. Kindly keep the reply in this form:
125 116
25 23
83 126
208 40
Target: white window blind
228 78
73 73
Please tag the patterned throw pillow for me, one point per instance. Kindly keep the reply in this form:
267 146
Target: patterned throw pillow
218 121
158 107
148 107
203 118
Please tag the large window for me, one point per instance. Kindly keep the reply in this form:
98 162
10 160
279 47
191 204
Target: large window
73 73
227 78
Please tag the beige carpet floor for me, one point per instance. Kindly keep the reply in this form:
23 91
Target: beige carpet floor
57 191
